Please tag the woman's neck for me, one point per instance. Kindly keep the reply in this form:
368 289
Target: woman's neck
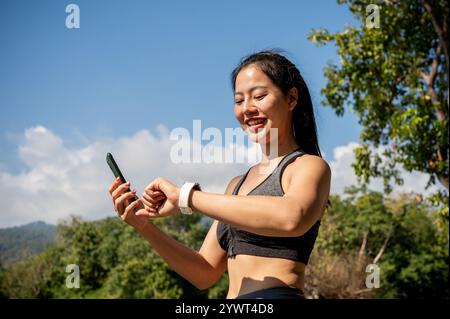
283 148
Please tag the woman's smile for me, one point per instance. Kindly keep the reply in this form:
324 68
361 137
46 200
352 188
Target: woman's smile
255 125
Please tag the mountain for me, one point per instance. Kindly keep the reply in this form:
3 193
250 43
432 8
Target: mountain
22 241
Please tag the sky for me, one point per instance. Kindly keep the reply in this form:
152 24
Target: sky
132 73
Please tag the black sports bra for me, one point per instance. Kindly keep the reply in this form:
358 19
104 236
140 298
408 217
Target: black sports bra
236 241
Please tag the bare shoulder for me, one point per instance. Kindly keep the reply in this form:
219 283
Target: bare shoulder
311 165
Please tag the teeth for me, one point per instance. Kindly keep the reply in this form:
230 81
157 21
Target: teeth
255 122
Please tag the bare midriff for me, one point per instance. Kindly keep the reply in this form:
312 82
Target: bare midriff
251 273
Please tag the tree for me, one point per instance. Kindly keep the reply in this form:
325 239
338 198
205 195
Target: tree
394 77
82 242
400 234
114 262
28 278
2 275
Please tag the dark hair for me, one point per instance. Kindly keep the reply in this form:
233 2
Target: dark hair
285 75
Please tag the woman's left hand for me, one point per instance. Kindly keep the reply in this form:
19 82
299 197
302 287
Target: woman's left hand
160 199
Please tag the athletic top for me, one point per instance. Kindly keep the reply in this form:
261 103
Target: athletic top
236 241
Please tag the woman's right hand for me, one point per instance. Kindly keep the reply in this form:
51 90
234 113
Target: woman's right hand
125 209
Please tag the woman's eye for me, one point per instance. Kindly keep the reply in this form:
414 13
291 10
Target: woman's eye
260 97
238 102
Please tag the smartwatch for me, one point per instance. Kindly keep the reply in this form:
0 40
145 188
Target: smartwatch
183 200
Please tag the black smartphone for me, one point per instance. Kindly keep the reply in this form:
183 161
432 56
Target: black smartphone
116 171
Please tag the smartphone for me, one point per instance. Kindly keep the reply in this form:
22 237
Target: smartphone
116 171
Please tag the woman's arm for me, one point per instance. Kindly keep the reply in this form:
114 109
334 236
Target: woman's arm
293 214
290 215
202 268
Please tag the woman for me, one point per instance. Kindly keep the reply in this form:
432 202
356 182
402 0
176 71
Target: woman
265 225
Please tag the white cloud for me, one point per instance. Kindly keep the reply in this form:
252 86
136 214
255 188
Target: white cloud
343 174
59 181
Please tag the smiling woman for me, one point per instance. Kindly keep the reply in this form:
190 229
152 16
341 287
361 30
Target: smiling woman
266 223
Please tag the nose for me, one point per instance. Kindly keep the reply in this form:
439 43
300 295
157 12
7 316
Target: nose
248 107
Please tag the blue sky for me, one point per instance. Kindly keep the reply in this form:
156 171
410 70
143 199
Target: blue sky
134 70
135 64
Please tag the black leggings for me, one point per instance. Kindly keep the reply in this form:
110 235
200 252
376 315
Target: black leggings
274 293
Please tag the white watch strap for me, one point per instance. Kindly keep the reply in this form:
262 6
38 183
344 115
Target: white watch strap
183 199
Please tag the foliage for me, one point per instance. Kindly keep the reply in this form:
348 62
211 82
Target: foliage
404 235
114 262
395 79
401 235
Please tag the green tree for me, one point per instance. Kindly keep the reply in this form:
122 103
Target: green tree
138 271
82 243
401 234
114 262
28 278
2 276
394 77
415 264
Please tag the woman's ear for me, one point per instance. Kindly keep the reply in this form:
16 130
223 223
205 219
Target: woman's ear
292 98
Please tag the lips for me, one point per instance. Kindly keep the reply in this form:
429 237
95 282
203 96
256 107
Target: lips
253 119
256 124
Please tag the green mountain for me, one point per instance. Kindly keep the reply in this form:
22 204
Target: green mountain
23 241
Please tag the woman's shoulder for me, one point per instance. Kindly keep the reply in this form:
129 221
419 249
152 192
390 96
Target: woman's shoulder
309 163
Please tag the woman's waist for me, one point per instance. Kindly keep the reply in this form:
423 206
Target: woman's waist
252 273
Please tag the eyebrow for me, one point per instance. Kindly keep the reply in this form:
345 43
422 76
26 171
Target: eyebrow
252 89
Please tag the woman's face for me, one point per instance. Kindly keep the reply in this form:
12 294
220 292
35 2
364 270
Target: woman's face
260 105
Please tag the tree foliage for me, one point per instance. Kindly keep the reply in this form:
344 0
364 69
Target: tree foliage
402 235
114 262
394 77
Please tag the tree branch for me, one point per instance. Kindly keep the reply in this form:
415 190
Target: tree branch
441 30
362 250
440 114
383 248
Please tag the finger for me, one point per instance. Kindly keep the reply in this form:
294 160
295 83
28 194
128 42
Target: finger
130 208
156 205
123 205
120 190
152 185
114 185
146 213
153 192
153 196
121 200
147 204
155 184
151 199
